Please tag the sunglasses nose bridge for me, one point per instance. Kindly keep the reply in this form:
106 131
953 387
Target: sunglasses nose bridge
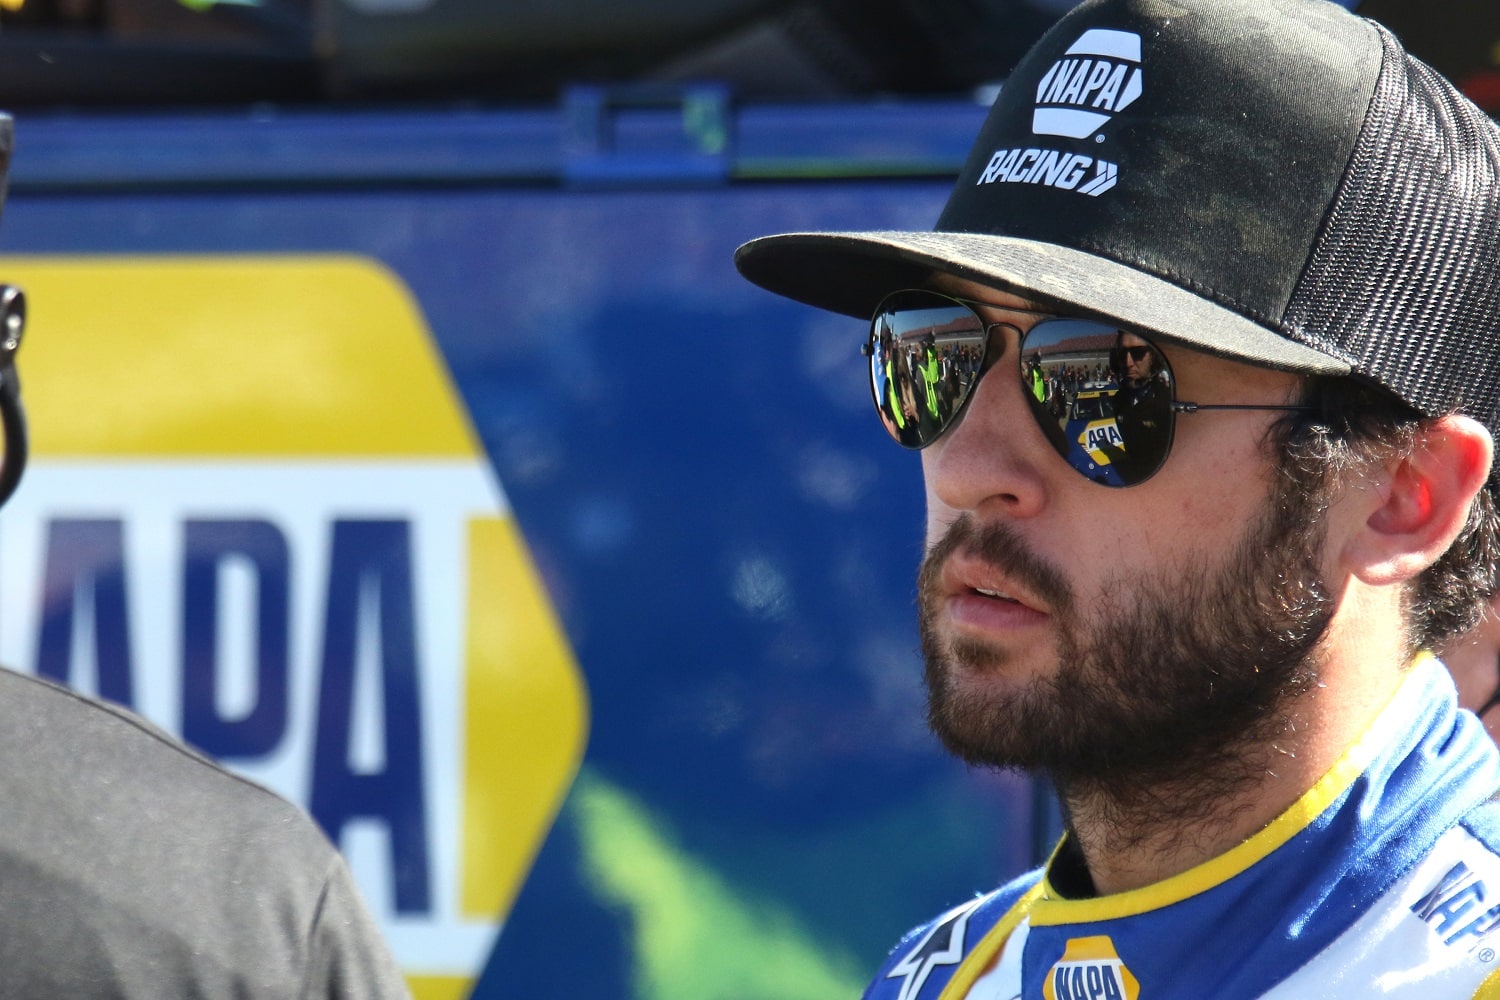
992 457
1008 390
998 369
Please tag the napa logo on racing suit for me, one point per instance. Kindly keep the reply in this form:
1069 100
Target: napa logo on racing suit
1098 77
257 513
1090 969
1458 908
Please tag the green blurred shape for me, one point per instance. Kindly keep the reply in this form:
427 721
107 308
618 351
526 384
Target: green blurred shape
202 5
696 937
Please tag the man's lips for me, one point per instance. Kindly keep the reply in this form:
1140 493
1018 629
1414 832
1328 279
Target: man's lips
963 575
980 597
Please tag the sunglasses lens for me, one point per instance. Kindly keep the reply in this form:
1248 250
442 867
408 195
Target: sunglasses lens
926 354
1102 397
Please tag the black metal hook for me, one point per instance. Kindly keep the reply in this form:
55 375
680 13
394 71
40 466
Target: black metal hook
12 414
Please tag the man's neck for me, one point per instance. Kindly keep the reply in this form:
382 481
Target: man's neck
1133 834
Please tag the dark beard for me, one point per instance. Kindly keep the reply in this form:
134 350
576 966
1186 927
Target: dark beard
1182 681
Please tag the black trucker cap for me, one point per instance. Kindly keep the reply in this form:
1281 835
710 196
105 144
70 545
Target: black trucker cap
1275 181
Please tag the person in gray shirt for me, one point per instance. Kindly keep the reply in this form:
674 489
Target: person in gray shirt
132 866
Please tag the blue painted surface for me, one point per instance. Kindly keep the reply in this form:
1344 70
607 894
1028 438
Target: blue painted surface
727 534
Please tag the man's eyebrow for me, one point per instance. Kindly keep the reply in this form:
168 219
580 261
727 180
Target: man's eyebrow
1029 309
1026 305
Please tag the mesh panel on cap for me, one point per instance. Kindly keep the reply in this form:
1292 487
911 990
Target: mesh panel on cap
1403 279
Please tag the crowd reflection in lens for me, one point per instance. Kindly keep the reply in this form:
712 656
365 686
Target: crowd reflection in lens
922 377
1103 397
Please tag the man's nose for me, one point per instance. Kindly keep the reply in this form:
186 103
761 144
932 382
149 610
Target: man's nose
994 458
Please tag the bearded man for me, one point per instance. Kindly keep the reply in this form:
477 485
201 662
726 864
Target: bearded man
1267 784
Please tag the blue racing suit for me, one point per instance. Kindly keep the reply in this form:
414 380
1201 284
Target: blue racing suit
1383 880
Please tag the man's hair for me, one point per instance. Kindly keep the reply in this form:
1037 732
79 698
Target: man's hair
1357 426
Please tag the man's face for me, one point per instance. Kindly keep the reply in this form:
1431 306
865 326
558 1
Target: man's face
1138 366
1083 630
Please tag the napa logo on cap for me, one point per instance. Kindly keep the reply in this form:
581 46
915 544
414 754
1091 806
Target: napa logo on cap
1097 77
1090 969
258 514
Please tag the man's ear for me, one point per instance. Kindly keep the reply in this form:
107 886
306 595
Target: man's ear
1423 501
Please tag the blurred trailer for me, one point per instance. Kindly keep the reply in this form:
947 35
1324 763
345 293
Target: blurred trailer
437 469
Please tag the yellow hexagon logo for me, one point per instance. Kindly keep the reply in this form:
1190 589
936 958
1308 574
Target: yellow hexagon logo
257 512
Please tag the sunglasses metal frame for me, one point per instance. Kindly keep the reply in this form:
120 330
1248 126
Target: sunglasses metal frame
1175 406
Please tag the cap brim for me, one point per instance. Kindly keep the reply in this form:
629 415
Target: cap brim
851 272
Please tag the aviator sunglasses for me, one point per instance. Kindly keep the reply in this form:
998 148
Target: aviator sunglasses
1102 394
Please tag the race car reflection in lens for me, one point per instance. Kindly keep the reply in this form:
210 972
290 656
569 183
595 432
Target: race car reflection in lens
1101 394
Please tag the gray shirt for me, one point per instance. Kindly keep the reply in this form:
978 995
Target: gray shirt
131 866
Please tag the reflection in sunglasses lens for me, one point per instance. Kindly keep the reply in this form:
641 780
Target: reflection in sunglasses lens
1103 405
926 353
1108 411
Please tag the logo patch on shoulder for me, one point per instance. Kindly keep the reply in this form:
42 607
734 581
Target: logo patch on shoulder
1090 969
943 945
